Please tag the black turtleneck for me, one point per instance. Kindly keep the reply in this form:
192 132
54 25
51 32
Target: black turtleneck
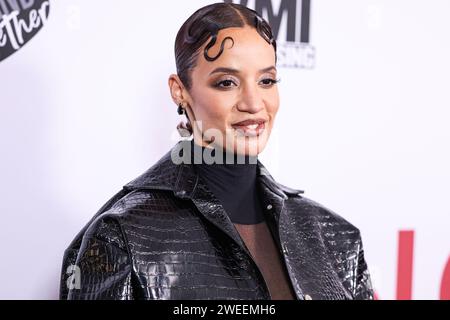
234 184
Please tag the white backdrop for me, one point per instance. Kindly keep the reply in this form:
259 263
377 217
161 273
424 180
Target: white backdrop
85 108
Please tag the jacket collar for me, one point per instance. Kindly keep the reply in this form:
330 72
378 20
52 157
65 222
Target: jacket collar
184 181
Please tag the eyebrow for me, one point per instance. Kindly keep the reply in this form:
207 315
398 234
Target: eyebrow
236 71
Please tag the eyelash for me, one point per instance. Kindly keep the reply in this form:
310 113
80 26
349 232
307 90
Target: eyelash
272 82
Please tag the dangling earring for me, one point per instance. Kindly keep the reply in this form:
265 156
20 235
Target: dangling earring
184 129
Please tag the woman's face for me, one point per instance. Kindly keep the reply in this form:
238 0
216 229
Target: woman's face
234 99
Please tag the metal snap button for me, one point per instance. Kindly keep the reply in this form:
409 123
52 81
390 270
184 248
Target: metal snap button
269 207
308 297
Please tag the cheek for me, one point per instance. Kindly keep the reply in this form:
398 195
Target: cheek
273 104
213 108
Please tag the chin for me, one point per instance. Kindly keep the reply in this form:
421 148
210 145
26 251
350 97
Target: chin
237 143
249 146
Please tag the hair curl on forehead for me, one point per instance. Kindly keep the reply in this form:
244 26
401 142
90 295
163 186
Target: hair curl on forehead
206 23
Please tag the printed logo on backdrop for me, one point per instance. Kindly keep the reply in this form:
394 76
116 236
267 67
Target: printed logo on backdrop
20 20
290 22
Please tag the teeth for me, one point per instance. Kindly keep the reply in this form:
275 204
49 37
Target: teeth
253 126
249 130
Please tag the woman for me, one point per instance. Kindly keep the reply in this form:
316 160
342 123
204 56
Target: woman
207 221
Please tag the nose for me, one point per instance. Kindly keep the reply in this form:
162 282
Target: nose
251 100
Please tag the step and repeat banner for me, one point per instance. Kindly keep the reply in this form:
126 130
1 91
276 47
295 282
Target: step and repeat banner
363 125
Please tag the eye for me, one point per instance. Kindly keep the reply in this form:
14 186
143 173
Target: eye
225 84
270 82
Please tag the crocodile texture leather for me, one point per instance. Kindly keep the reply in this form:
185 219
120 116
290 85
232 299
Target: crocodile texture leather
164 235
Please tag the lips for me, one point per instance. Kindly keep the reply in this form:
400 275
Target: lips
251 127
250 122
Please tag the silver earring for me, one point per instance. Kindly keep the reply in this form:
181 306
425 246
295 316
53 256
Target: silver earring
184 129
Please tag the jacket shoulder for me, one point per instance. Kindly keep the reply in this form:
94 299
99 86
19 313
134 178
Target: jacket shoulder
132 203
126 205
326 217
106 234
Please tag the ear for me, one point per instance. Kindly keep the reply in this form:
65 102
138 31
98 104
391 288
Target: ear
177 90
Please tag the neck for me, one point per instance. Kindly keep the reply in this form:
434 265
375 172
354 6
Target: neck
233 183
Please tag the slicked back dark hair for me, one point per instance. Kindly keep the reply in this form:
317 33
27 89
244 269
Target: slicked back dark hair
207 22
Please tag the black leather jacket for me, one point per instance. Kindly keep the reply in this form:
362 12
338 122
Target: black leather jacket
166 236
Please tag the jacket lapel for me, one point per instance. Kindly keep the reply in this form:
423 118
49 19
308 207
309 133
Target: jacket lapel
301 239
309 260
